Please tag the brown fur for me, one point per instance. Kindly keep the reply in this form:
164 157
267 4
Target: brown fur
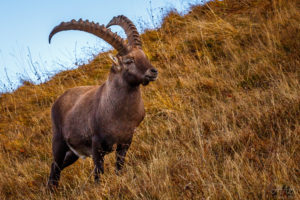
89 120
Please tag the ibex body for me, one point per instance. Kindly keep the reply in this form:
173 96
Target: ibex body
89 120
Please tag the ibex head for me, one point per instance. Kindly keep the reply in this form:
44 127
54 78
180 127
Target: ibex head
130 62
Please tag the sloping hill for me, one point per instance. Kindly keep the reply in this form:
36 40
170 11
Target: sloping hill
222 120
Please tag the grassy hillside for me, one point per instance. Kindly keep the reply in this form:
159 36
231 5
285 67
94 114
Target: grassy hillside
223 119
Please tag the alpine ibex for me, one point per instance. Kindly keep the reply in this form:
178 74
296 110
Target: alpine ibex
89 120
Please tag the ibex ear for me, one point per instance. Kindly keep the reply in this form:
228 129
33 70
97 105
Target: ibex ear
116 66
114 59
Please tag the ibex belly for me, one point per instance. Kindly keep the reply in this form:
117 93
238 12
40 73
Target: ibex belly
81 142
82 147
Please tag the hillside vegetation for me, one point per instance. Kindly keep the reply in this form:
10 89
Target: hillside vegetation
222 119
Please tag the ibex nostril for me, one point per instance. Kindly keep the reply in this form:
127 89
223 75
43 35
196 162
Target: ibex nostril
154 71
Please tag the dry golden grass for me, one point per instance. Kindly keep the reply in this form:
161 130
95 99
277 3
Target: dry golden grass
222 120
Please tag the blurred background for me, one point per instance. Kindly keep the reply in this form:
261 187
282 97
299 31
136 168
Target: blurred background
25 25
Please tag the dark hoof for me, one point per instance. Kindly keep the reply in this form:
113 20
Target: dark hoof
52 186
118 172
97 180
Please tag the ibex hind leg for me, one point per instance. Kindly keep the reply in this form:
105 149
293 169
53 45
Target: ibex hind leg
59 149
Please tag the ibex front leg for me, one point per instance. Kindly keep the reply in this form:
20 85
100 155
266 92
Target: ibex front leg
98 157
120 155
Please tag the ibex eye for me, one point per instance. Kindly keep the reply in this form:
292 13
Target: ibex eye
129 61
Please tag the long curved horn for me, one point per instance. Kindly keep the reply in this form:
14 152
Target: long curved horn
112 38
129 28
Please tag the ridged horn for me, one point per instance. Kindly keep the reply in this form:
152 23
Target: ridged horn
133 35
112 38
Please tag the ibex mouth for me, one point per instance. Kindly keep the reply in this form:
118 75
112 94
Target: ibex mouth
151 78
148 78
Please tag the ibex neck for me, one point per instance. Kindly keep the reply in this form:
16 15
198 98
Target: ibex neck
121 102
116 82
120 94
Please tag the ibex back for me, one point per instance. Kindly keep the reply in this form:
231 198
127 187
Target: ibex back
89 120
